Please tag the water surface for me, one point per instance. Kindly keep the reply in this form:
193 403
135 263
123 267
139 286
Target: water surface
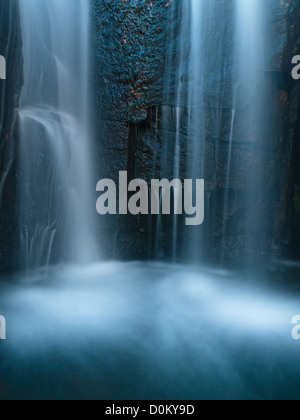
148 331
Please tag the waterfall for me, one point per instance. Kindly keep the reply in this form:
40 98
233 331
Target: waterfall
196 162
214 117
248 113
192 96
55 170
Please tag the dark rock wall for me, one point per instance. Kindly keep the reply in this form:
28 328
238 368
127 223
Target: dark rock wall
130 40
10 48
136 122
257 221
292 49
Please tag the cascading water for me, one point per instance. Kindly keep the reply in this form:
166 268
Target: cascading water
216 103
55 165
183 332
247 112
194 96
180 114
196 115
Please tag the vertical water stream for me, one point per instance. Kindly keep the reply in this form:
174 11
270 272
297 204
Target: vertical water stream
55 164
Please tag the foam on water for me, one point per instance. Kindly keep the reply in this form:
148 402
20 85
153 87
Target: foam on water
144 331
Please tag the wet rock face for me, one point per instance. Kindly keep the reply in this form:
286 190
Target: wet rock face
136 123
130 37
10 48
293 190
135 127
130 48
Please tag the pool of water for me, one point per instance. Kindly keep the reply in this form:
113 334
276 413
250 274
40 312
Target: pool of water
149 331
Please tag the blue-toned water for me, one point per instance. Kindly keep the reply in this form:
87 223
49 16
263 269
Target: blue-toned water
55 164
149 331
136 330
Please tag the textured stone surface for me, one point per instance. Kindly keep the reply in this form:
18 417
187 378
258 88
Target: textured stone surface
137 123
10 47
130 44
292 184
130 37
136 128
